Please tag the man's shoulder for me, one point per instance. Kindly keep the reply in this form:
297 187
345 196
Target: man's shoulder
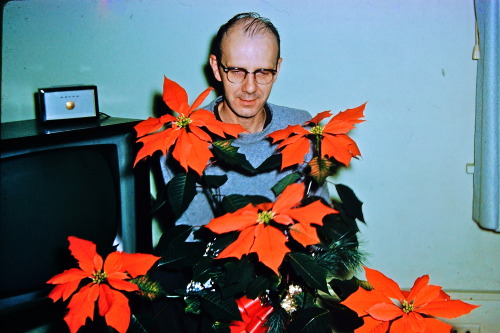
210 106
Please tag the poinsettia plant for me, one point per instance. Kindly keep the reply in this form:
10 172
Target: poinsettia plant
260 264
384 307
259 248
105 282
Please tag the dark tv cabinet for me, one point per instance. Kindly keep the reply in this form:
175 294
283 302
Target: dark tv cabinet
29 307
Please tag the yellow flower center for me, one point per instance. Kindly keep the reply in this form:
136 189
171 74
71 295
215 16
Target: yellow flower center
317 130
265 217
407 307
99 277
183 121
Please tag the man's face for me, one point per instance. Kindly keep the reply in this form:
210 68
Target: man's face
246 99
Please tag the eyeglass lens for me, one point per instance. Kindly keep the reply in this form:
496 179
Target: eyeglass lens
262 76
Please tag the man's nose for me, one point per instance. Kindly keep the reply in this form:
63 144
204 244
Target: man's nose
249 84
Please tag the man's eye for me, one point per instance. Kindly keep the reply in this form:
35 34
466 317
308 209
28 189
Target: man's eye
237 72
263 73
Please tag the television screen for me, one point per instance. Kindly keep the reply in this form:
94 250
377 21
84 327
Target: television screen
47 196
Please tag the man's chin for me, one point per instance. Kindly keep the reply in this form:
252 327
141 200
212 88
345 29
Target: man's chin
247 113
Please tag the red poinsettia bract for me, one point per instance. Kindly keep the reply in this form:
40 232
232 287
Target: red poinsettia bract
260 236
105 278
387 308
333 139
253 316
185 132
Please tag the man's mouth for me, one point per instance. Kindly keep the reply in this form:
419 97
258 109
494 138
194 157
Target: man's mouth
248 101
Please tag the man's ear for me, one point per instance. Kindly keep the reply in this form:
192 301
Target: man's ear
278 67
215 67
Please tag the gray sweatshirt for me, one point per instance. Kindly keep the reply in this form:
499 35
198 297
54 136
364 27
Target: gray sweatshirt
257 148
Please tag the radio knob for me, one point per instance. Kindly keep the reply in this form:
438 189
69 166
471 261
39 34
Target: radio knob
70 105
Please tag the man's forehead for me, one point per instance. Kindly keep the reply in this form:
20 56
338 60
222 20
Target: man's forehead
260 57
236 39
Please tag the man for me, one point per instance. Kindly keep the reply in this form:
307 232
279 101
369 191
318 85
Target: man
246 60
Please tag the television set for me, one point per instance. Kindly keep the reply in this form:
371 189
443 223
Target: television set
74 179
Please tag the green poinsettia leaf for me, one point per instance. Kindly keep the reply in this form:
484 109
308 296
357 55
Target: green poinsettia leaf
259 285
233 202
351 203
224 151
174 251
306 299
203 270
341 221
271 163
311 320
334 229
148 288
220 242
344 288
320 168
214 181
238 275
312 273
184 255
284 182
174 236
193 305
257 199
181 190
218 308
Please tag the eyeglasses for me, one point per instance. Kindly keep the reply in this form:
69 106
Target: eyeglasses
238 75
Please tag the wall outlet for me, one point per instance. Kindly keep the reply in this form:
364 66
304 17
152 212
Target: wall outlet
466 328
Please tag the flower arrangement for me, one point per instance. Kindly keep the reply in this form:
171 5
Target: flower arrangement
260 265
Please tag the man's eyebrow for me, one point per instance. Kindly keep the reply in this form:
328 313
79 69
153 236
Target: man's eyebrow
258 69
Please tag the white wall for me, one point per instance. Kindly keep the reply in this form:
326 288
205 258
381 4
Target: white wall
411 60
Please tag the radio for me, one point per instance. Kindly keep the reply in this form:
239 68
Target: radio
66 103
